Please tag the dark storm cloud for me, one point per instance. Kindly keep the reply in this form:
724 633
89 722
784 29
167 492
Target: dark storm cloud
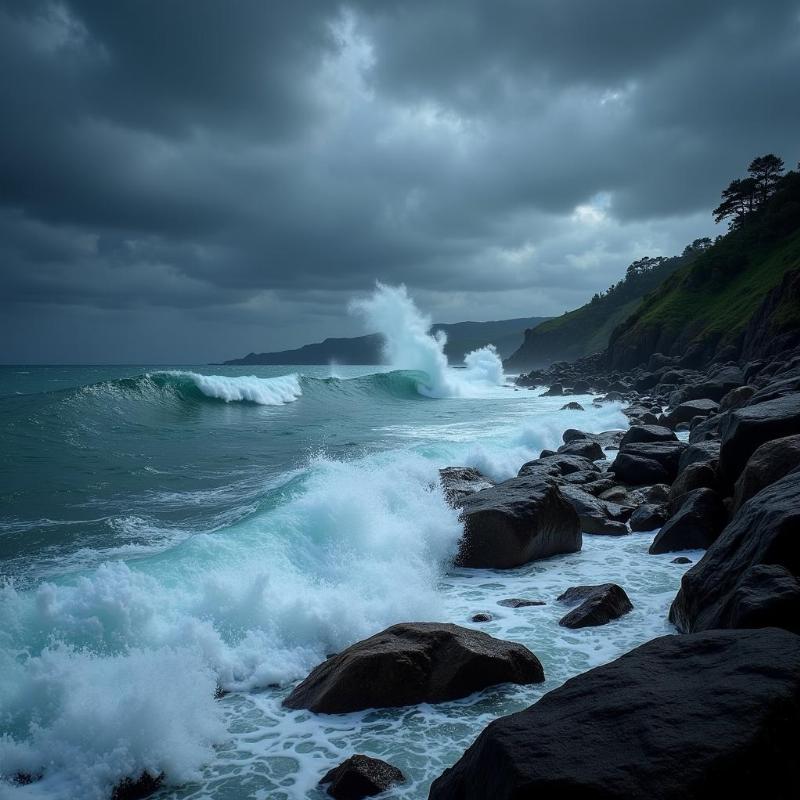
193 180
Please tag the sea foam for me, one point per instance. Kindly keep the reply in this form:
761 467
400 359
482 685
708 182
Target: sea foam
246 388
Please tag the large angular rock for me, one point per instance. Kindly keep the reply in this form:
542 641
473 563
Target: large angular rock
748 428
647 433
768 595
595 515
646 463
557 465
585 448
361 776
607 439
687 411
765 530
695 476
599 605
410 663
680 718
706 452
459 482
695 525
515 522
769 463
736 398
648 517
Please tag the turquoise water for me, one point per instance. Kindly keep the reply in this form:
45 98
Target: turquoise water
165 531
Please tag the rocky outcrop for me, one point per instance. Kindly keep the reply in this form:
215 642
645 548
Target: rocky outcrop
648 462
694 717
459 482
595 515
410 663
515 522
748 428
361 776
598 605
769 463
763 532
695 525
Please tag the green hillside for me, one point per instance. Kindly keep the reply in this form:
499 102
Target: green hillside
706 306
588 329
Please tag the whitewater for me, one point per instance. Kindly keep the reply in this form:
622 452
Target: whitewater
179 545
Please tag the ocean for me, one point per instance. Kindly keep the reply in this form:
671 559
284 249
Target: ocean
167 532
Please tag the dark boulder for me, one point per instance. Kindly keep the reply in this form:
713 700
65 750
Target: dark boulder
606 439
515 522
411 663
458 482
646 463
767 596
679 718
584 448
763 531
647 433
573 406
695 476
612 397
748 428
706 430
695 525
595 515
519 602
481 616
137 788
555 390
556 465
681 560
361 776
687 411
648 517
769 463
736 398
598 605
699 453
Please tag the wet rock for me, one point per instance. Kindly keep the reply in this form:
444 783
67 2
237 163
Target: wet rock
708 715
584 448
687 411
769 463
411 663
557 465
699 453
515 522
361 776
647 433
708 429
762 532
572 406
606 439
612 397
598 605
697 523
596 516
458 482
695 476
767 596
648 517
736 398
137 788
681 560
556 390
519 602
748 428
481 616
648 462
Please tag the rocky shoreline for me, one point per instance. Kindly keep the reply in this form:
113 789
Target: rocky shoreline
711 461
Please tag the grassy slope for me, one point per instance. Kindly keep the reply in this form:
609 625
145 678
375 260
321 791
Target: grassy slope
722 309
711 301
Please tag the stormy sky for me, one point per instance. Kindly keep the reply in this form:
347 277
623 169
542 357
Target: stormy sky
189 181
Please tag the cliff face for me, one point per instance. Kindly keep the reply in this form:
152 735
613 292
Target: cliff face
588 329
735 300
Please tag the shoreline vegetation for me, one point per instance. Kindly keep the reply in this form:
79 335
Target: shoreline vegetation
711 461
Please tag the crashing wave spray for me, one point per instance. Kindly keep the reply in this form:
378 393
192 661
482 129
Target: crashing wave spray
409 345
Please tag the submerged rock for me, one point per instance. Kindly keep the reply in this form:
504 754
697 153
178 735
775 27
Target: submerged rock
572 406
515 522
410 663
708 715
137 788
361 776
519 602
600 604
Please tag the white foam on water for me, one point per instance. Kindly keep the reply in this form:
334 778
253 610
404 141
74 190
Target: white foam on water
409 345
246 388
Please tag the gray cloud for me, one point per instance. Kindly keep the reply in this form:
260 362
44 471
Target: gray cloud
190 181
